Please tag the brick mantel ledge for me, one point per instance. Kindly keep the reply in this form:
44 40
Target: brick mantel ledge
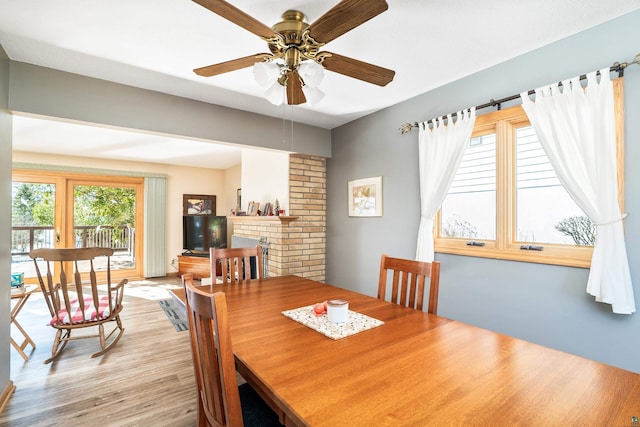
256 218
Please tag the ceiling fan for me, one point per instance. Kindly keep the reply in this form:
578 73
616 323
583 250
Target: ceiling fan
295 61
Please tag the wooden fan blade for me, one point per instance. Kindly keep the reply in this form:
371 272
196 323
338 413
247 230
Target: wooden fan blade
358 69
295 95
343 17
225 67
238 17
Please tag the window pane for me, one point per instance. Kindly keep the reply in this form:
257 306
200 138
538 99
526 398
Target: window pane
32 218
469 209
543 205
105 217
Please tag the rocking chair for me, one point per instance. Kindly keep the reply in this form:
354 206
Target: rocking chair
73 298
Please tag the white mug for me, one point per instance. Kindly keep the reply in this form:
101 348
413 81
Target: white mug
337 310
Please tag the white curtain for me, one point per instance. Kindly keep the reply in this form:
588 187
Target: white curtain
576 128
440 151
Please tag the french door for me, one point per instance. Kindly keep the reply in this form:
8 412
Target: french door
69 210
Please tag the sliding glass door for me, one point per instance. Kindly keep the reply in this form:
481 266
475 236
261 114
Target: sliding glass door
77 211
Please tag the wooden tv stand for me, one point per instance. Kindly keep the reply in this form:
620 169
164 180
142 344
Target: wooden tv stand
196 265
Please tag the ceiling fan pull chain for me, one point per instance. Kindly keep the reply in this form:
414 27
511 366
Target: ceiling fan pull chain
284 126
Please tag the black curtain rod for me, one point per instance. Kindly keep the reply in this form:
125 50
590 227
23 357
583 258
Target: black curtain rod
616 67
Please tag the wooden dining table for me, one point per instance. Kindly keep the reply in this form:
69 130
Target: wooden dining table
416 369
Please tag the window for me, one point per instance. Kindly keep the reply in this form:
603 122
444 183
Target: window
506 202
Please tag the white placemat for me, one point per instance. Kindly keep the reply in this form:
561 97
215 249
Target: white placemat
357 322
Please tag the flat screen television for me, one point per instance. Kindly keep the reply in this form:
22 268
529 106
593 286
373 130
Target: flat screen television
201 232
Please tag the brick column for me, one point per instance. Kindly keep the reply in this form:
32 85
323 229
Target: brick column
296 246
308 201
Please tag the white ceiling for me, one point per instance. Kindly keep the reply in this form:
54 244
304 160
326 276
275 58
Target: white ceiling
155 44
72 139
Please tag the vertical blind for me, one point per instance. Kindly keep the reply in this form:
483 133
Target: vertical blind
155 212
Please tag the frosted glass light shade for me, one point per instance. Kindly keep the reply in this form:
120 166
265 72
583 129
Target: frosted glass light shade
312 94
265 73
275 93
311 73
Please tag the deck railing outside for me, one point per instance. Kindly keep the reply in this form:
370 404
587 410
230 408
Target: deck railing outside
119 238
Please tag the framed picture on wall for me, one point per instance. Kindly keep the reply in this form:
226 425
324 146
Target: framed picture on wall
198 204
365 197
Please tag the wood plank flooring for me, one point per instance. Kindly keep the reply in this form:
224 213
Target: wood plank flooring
145 380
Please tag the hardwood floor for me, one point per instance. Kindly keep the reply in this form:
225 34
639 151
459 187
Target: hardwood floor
145 380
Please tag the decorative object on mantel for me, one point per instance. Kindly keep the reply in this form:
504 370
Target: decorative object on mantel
198 204
365 197
268 209
617 67
253 208
277 207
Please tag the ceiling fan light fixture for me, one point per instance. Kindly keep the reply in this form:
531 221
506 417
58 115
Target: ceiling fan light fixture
295 45
266 73
311 73
312 94
275 93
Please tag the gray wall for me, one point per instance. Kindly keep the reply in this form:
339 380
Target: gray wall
540 303
43 91
5 218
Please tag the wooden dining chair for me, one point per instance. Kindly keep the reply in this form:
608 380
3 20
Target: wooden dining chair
236 264
408 283
75 298
220 401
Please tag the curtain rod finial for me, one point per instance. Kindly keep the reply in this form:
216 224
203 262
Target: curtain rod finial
406 128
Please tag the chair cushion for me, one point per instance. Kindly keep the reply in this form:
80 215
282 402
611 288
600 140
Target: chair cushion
90 313
255 411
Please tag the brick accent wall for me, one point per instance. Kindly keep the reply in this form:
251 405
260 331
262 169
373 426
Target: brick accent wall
299 246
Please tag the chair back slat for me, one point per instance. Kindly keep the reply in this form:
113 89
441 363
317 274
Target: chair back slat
214 365
94 284
404 291
419 288
64 296
409 281
414 290
47 286
236 264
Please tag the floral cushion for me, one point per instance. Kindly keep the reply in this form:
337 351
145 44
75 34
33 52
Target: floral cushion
76 316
